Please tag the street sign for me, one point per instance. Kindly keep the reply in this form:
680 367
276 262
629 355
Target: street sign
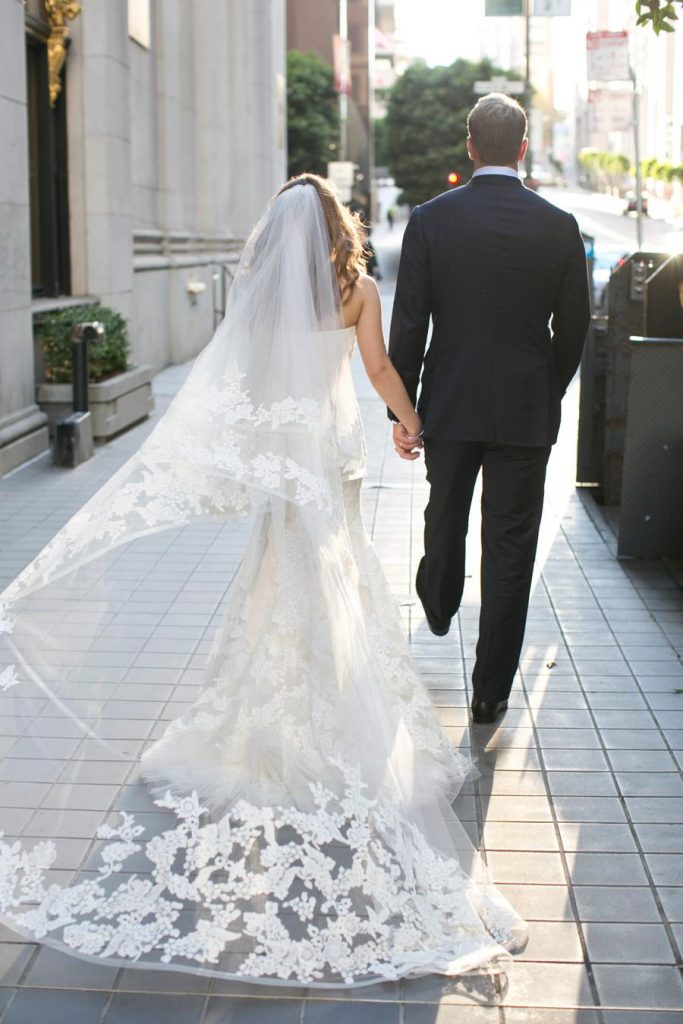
552 8
610 110
499 85
499 8
341 173
607 54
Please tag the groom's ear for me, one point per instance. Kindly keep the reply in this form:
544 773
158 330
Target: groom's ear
470 148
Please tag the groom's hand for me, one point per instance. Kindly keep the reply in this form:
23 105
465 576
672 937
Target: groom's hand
407 447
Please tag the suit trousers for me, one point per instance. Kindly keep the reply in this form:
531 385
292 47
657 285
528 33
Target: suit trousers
513 479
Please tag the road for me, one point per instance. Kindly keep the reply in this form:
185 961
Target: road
598 215
601 216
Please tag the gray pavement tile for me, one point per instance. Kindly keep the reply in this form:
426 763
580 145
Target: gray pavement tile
624 719
621 904
582 739
146 1008
616 700
520 835
651 987
632 739
555 941
641 1017
251 1010
606 869
469 989
574 760
573 783
641 760
444 1014
642 784
14 959
627 943
659 809
597 838
660 838
141 980
547 985
588 809
513 783
31 1006
522 808
53 969
539 1015
321 1012
672 900
666 868
526 867
539 902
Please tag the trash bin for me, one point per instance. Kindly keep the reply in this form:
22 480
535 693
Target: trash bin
651 515
644 301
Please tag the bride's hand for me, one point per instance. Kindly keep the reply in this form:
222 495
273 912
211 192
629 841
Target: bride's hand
406 444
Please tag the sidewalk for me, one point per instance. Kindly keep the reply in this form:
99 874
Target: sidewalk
580 802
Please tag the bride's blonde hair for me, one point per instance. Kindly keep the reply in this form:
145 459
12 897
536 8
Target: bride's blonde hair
344 227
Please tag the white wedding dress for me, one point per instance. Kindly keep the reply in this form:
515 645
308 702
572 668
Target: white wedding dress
301 830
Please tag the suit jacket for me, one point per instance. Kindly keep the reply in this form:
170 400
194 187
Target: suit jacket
503 275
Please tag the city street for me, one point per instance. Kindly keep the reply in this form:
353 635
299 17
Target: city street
580 799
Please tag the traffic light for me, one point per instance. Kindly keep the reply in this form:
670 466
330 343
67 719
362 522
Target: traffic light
453 179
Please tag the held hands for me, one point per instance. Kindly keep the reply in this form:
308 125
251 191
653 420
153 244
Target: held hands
408 445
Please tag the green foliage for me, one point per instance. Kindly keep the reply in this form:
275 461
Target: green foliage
105 358
312 114
427 126
659 14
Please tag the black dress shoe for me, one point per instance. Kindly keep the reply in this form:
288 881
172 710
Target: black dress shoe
437 628
487 710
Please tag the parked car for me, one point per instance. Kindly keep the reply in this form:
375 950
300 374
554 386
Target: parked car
630 206
605 260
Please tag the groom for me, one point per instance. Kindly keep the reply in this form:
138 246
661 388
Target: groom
502 274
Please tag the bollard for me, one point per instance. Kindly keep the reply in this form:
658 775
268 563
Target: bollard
73 440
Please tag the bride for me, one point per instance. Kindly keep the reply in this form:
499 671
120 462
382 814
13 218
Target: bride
287 817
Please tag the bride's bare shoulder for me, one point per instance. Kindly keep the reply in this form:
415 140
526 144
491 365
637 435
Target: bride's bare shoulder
367 288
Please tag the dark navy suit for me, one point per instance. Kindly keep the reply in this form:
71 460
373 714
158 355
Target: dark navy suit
501 272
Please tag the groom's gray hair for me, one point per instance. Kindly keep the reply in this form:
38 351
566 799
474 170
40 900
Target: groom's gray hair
497 125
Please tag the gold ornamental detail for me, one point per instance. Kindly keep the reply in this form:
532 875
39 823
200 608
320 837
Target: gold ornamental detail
58 12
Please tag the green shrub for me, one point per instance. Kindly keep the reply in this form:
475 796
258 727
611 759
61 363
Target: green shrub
106 358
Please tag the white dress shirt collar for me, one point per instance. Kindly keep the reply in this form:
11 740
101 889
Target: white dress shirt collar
495 169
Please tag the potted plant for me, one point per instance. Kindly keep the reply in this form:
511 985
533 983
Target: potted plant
119 394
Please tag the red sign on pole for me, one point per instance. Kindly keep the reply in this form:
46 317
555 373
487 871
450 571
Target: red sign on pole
607 54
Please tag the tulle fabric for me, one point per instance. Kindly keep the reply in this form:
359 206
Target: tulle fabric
239 777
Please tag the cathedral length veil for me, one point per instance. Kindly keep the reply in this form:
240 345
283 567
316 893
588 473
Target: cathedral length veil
282 816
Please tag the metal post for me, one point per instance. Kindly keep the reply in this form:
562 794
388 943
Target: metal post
639 179
81 335
527 81
343 97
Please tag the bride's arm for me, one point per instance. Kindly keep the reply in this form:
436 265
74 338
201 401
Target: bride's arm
379 368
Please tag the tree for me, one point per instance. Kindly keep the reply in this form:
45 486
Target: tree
427 126
660 14
312 113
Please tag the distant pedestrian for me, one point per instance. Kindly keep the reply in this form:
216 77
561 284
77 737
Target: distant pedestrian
391 217
371 261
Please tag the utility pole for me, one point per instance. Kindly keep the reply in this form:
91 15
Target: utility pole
636 146
343 96
527 81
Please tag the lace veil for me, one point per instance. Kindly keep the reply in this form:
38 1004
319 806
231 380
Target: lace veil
321 848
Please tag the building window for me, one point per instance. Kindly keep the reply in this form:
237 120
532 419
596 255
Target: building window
140 22
48 183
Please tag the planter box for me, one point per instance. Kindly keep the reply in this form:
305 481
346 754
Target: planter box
115 404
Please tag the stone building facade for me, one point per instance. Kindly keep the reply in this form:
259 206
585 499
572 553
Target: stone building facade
142 139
